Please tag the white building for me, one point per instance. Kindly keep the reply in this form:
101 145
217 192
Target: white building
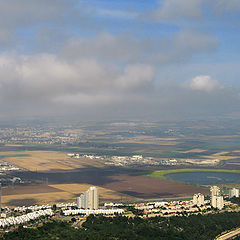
89 200
215 191
96 212
234 192
216 198
198 199
217 202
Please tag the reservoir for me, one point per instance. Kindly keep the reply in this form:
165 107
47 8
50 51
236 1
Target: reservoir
205 178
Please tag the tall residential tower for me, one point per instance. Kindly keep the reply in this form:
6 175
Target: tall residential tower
89 199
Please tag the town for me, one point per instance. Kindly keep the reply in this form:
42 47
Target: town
139 160
88 203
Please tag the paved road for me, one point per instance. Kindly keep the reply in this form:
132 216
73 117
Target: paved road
229 235
79 222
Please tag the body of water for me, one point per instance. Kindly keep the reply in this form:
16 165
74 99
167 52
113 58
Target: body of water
205 178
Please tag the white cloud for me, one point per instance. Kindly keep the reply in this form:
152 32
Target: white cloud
51 78
178 10
117 13
135 76
225 6
204 83
27 12
127 48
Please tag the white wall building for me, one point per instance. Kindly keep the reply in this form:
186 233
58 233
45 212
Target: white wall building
217 202
216 198
215 191
198 199
89 200
234 192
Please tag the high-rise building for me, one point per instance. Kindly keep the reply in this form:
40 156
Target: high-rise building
215 191
89 199
198 199
234 192
216 198
217 202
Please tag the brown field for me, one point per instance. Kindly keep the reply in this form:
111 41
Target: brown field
221 156
119 187
151 140
29 189
195 150
48 161
146 187
105 194
43 194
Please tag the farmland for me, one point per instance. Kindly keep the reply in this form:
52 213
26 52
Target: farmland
42 154
43 194
46 160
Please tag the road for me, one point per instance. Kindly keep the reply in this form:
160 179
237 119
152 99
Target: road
79 222
229 235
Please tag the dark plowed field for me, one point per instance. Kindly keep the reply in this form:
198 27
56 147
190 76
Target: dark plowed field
127 181
29 189
146 187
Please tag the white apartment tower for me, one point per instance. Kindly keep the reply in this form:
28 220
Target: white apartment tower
89 199
198 199
216 198
217 202
215 191
234 192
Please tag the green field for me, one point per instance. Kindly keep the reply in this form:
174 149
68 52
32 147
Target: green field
161 173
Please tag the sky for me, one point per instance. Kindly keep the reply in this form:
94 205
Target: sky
105 59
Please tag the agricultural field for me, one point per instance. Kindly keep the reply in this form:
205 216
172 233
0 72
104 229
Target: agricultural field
46 160
52 194
196 145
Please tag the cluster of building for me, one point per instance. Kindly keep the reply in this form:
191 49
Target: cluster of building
95 212
88 203
66 205
216 198
196 205
5 222
172 208
39 135
32 208
125 160
145 161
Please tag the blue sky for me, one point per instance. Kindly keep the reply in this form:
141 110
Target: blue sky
119 59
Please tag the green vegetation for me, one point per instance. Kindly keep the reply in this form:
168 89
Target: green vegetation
201 227
235 200
161 173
